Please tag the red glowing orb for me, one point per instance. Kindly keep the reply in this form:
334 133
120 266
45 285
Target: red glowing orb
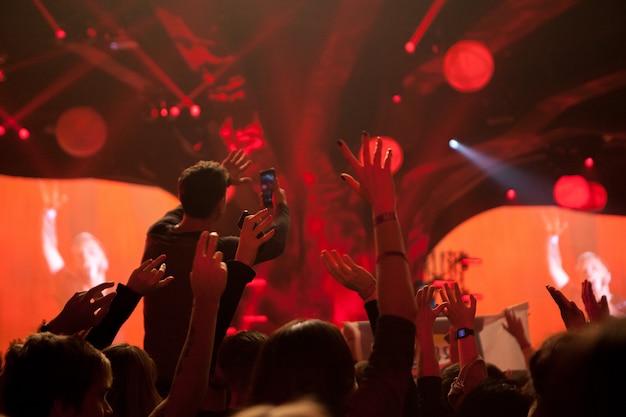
387 143
81 131
468 66
575 192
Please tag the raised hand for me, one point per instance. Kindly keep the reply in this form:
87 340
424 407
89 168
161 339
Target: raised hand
349 274
572 316
426 315
515 327
458 312
372 179
596 310
236 163
84 310
554 225
148 277
208 275
52 197
253 235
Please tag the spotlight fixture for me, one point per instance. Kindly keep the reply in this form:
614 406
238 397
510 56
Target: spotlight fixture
454 144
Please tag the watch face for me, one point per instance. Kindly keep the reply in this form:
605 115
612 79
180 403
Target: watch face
461 333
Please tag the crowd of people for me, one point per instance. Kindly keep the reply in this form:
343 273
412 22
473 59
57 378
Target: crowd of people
189 367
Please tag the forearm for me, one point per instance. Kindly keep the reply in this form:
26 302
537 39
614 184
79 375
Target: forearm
276 245
371 308
50 243
192 373
555 264
239 275
395 290
426 354
121 308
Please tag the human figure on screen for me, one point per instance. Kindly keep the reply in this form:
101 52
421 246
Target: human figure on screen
589 266
90 262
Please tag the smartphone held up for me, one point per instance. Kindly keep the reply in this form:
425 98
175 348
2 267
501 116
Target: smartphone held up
268 179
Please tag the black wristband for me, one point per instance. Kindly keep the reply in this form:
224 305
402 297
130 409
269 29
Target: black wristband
464 332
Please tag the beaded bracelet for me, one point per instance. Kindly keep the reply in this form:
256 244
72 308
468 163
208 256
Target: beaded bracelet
381 218
388 253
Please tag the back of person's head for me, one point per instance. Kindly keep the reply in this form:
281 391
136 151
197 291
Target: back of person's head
201 187
301 408
495 398
133 393
237 356
50 371
558 369
606 368
304 358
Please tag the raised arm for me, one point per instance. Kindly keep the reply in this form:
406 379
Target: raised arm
52 201
374 182
555 227
208 279
82 311
275 246
356 278
146 278
387 380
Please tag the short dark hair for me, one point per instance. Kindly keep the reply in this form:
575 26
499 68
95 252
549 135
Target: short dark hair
201 186
304 358
237 356
47 368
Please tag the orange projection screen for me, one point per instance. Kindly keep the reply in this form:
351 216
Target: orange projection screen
512 243
116 214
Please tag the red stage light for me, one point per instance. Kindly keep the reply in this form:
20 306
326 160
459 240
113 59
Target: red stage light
387 143
3 130
175 111
511 194
194 110
309 178
409 47
163 112
91 32
575 192
598 196
81 131
60 34
397 98
23 133
589 162
468 66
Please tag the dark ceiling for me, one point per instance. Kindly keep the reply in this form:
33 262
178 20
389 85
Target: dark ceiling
311 71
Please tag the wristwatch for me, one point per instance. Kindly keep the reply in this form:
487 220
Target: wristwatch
463 332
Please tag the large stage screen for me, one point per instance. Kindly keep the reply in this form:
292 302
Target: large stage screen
60 236
514 252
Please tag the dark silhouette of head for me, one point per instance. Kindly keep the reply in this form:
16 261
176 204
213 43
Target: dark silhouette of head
236 359
304 358
201 187
55 371
495 398
133 393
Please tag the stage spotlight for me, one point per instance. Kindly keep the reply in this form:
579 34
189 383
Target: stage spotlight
164 112
23 133
60 34
194 110
511 194
3 130
468 66
397 98
454 144
409 47
174 111
589 162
